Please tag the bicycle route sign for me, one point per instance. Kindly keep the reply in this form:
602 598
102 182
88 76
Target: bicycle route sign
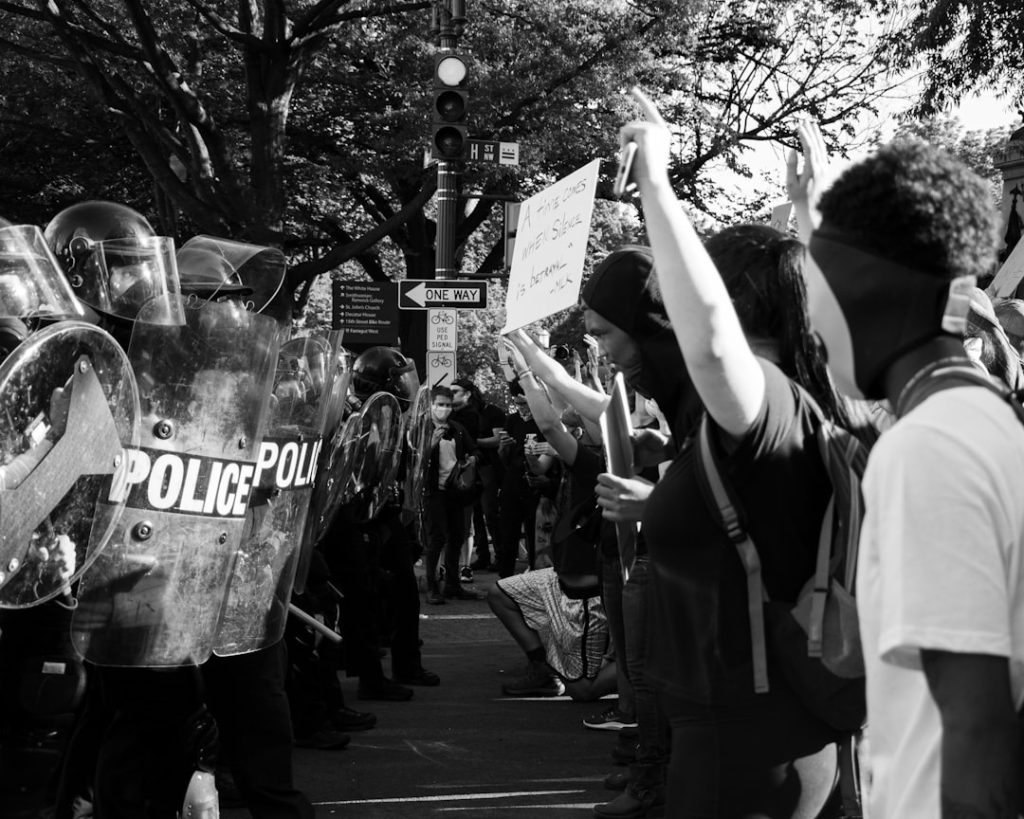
442 330
424 294
440 369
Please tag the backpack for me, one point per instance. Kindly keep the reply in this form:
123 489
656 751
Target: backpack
816 640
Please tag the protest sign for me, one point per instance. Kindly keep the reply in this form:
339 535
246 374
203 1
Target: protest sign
550 249
1009 276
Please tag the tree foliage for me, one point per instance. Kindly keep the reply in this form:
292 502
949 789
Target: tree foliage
962 45
302 123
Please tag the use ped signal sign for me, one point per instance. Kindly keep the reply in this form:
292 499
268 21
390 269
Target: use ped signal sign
423 294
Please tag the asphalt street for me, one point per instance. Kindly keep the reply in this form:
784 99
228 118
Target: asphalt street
463 749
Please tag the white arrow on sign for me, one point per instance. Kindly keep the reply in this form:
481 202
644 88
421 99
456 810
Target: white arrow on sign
421 294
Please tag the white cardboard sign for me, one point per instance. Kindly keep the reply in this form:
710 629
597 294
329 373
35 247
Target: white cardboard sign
550 250
1006 280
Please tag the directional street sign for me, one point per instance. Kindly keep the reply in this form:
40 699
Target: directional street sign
497 153
422 294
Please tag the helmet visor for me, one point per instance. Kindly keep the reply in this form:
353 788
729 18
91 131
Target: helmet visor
31 282
120 276
255 272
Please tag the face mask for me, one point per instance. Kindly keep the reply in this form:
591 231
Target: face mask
870 311
442 413
634 375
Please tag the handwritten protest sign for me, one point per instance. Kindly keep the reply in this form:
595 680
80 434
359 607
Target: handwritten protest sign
780 216
551 245
1010 274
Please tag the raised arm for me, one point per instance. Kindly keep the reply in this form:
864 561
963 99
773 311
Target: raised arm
720 362
548 419
588 402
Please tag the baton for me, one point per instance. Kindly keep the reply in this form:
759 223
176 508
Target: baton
329 633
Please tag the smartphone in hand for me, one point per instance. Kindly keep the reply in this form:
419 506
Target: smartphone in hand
622 184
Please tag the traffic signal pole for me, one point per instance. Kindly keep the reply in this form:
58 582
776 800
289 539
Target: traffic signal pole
449 139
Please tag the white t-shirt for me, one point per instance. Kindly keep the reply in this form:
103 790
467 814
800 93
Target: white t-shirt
941 567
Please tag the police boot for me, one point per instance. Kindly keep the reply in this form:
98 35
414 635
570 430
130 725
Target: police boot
644 795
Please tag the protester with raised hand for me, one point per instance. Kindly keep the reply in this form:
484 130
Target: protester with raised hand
897 242
738 312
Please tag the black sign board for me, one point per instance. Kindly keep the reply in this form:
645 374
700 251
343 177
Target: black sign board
367 312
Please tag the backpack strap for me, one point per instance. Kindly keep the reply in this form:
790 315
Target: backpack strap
729 520
816 620
942 375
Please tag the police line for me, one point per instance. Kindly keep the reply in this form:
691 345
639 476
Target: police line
169 481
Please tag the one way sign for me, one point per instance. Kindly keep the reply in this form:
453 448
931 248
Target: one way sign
422 294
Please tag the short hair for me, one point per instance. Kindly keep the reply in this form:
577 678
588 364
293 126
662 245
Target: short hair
440 392
917 205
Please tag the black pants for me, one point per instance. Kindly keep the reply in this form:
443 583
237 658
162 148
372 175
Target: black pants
485 514
247 696
771 759
517 506
444 515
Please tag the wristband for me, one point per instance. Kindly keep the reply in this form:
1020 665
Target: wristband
527 371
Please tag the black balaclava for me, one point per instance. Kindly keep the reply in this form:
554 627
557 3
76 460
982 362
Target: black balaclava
623 289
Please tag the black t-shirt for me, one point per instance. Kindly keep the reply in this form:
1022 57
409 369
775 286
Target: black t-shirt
580 501
470 418
701 649
518 429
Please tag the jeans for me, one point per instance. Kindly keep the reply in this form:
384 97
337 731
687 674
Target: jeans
652 725
444 514
611 596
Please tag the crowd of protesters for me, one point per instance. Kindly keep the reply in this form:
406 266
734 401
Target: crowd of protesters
870 322
736 351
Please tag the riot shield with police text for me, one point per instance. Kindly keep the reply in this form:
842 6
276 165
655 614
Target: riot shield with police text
338 376
256 608
378 452
68 408
155 595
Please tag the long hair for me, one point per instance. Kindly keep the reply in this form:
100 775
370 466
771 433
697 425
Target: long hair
763 271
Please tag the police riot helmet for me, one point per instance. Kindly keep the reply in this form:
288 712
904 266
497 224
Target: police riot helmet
384 369
212 268
112 257
32 285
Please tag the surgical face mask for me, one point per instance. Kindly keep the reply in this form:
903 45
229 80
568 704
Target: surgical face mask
870 311
442 413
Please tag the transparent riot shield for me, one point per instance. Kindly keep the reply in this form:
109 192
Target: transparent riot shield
339 377
155 595
418 431
256 607
378 453
68 408
343 452
392 448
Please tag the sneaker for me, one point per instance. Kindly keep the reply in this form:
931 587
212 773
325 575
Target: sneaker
611 719
537 682
466 574
435 598
348 719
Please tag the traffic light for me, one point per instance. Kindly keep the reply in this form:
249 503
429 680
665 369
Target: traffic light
451 101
